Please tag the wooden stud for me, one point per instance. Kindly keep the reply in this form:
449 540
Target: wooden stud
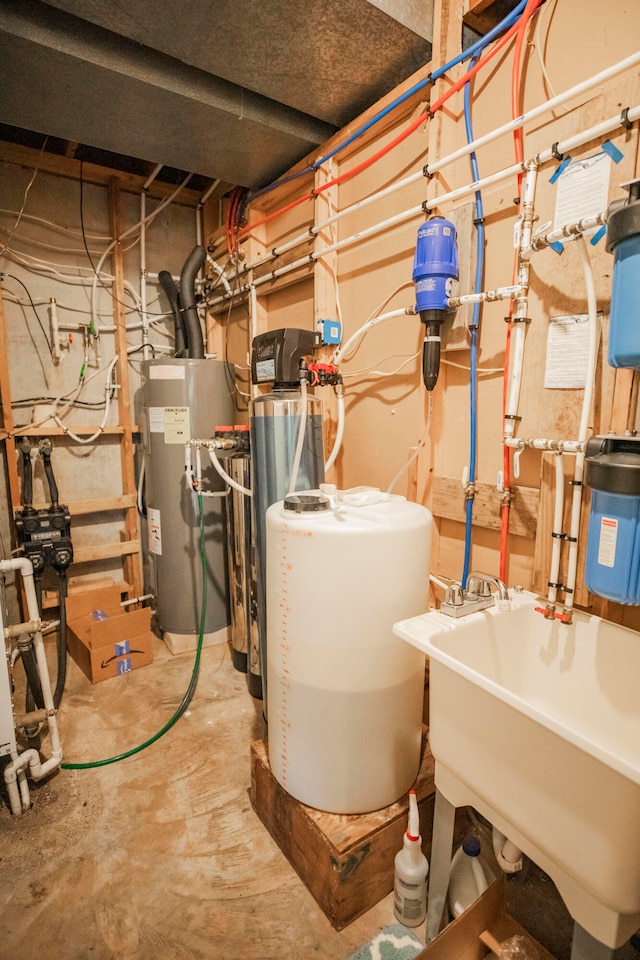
132 565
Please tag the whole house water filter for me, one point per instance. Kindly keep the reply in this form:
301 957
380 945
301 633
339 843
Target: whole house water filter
613 544
275 427
623 240
435 274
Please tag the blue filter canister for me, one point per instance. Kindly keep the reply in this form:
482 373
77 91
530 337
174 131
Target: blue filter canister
623 240
613 544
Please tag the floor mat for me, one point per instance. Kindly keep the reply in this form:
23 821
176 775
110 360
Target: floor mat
392 943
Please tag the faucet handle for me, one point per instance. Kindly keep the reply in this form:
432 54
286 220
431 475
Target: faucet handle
479 587
454 595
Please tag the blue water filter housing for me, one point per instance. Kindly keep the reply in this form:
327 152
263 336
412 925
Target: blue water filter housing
623 240
613 544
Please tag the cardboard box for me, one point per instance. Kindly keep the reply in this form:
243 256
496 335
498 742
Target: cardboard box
481 928
104 639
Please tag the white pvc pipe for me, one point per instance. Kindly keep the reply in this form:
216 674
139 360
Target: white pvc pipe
593 133
467 148
146 349
556 542
24 566
488 296
568 232
508 856
301 432
542 443
576 502
107 405
339 434
519 324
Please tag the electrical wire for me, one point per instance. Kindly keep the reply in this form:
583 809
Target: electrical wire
11 276
26 194
193 683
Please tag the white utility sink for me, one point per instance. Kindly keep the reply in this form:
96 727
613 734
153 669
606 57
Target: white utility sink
537 725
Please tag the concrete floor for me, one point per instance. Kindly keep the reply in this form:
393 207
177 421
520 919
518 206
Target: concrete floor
161 855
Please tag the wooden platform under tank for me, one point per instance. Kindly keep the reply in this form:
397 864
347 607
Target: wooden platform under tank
346 862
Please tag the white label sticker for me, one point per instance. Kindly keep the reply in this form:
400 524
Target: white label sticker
167 372
176 425
608 540
154 532
156 419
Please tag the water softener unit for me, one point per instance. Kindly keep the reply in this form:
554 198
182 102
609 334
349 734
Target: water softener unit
613 545
623 240
183 399
277 359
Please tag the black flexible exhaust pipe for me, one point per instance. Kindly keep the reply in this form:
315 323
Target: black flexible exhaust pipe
193 263
170 288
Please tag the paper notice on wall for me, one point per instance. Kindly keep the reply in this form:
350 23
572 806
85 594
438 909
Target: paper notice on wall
582 190
567 352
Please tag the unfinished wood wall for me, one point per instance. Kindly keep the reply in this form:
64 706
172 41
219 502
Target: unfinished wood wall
386 416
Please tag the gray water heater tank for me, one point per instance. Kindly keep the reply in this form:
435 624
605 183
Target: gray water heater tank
185 399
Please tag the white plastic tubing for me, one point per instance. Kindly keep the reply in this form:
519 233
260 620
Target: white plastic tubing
594 335
595 132
15 772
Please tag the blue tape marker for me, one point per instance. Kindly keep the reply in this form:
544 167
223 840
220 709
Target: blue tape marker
124 666
611 149
122 648
557 246
597 237
557 173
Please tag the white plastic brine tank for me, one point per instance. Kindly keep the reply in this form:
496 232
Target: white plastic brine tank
344 696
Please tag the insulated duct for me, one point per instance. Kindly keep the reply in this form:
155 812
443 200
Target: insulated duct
195 341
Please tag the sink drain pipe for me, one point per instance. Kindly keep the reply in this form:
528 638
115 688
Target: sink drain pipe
509 856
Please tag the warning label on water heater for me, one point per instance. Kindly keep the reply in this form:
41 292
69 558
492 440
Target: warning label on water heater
177 428
153 531
608 540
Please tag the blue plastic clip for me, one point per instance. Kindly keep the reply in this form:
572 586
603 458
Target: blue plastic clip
611 149
560 170
557 246
598 235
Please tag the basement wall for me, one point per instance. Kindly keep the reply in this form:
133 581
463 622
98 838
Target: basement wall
386 416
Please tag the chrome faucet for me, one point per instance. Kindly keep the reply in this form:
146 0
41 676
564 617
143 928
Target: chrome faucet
477 596
483 580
